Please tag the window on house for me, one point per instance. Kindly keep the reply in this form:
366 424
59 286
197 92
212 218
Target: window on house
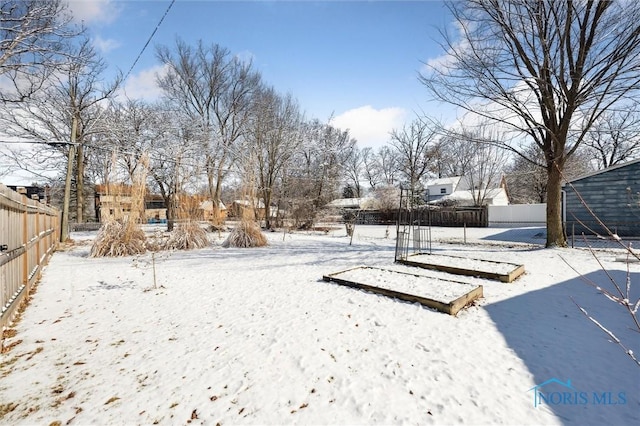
443 190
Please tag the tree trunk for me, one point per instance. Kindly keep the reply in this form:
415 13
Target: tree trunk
80 201
64 226
171 202
555 232
266 196
217 195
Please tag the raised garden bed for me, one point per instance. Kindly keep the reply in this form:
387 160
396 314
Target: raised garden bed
444 295
491 269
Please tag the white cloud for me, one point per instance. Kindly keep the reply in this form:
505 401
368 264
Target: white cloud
94 10
443 62
246 56
370 126
143 84
105 45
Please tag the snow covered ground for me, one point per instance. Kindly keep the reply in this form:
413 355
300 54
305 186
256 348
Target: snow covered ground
254 336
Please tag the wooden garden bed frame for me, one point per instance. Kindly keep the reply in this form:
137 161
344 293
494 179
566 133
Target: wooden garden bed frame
507 278
451 307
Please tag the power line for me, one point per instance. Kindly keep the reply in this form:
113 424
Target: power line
149 40
153 33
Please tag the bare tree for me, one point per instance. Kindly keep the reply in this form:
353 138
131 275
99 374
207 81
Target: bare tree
527 179
273 136
63 116
354 168
414 144
131 129
215 89
615 137
369 169
172 143
33 35
548 70
319 170
387 165
475 155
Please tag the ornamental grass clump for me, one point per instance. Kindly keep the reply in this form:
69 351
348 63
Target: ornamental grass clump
119 239
187 236
246 234
121 235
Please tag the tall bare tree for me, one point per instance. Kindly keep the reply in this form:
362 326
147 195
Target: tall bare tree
615 137
548 70
386 165
33 37
354 169
64 114
318 168
527 179
414 144
215 89
274 135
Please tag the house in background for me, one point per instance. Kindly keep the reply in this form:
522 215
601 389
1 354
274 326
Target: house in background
207 212
113 202
457 191
364 203
441 187
247 209
612 194
38 193
154 209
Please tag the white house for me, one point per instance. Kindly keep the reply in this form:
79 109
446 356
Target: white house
441 187
457 191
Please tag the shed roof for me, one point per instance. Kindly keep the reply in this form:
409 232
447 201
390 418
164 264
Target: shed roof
608 169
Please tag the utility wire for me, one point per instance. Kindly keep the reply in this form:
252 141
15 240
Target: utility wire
149 40
144 48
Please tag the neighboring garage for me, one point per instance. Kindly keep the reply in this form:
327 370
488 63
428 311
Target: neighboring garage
612 194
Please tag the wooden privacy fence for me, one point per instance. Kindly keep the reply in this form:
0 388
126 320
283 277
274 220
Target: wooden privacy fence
29 232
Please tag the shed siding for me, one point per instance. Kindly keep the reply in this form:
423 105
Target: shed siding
607 195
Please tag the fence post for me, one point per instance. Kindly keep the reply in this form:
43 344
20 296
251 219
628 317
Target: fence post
573 234
25 239
465 232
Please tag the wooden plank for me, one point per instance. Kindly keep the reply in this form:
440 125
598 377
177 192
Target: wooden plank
420 260
29 244
450 304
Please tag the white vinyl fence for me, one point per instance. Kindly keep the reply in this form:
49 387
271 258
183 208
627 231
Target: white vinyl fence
517 215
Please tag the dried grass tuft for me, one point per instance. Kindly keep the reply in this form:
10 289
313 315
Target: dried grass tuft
246 234
187 236
118 239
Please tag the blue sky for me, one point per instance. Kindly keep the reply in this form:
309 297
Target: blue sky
357 60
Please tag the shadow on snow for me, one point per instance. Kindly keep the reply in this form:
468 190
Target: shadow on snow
555 340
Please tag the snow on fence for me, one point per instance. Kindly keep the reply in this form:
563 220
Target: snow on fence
29 231
517 215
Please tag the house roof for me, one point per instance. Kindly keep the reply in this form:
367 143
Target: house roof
351 203
445 181
467 195
208 205
259 204
608 169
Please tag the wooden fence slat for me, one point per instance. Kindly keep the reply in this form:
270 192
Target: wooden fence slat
28 228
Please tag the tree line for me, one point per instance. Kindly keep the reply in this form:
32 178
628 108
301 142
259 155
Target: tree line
550 86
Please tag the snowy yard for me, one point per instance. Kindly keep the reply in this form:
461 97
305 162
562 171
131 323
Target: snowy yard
254 336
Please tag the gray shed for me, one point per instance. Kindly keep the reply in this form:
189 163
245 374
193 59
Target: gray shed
613 194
